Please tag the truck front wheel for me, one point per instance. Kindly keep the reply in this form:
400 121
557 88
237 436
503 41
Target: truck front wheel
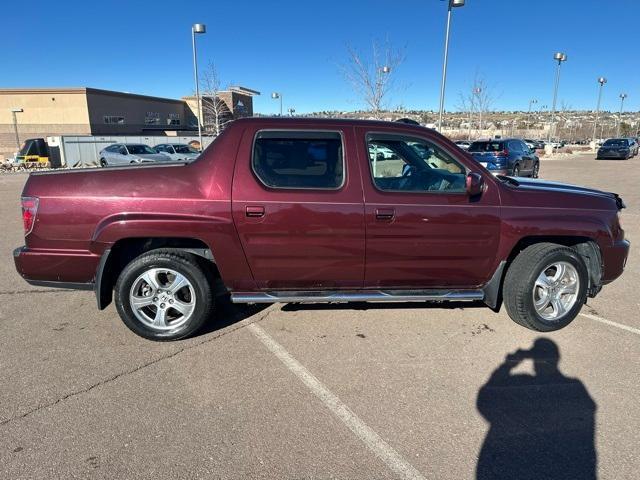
545 287
164 295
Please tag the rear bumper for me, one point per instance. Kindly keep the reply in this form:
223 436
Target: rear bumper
57 268
614 259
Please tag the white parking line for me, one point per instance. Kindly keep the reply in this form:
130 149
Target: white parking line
613 324
369 437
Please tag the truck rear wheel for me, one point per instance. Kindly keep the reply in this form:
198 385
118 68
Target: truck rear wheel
164 295
545 287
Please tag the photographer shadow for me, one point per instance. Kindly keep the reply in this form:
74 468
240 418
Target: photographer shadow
542 426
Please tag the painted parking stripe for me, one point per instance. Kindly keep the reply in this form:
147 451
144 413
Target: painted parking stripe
368 436
613 324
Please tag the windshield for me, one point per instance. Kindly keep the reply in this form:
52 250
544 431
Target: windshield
486 147
140 150
615 142
184 149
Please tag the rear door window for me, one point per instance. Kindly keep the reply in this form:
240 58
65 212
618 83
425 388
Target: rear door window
299 159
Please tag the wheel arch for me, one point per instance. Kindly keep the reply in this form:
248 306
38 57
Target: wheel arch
586 247
115 258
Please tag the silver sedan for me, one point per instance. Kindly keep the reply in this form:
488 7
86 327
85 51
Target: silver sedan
178 151
130 154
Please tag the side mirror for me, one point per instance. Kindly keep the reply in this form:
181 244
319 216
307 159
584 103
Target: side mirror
474 184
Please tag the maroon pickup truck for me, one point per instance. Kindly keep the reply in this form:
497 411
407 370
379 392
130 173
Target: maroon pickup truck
307 210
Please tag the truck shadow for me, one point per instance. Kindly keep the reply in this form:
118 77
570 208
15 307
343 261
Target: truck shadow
227 313
540 426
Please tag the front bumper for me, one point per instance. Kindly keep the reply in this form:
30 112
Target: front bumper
57 268
613 154
614 259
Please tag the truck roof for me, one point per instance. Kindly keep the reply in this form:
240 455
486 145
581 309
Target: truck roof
303 121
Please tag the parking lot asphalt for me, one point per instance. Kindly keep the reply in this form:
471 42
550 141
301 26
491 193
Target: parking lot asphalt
348 391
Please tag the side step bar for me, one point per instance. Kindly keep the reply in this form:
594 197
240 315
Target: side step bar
359 296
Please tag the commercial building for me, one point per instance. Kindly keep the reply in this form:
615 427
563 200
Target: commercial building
41 112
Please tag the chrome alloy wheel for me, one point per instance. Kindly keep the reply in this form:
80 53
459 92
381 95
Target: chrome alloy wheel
162 299
555 291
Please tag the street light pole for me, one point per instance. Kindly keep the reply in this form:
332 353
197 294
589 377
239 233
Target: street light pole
559 57
601 81
197 28
275 96
452 4
476 92
533 100
622 97
15 124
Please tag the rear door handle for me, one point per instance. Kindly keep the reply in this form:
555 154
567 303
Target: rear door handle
255 211
385 213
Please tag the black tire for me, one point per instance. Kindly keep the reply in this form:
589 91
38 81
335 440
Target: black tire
519 284
516 170
103 162
536 170
183 263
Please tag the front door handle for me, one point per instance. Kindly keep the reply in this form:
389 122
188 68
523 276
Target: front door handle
385 213
255 211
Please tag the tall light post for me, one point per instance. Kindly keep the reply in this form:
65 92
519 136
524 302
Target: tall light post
379 89
558 57
622 97
197 28
452 4
532 101
601 81
15 124
476 92
275 96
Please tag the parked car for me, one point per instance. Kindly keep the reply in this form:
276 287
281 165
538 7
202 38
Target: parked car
633 146
534 144
177 151
130 153
616 148
463 144
509 156
294 210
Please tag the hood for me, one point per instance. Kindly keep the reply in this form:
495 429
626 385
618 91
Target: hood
537 185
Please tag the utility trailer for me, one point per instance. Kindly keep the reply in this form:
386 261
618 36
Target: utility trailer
83 151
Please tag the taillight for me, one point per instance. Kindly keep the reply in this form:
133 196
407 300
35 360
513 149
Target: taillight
29 211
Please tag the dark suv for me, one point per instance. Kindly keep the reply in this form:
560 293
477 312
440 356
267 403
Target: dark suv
510 156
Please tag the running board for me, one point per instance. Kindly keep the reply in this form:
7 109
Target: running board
359 296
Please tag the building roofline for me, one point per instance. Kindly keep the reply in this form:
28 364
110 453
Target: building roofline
245 90
44 90
85 90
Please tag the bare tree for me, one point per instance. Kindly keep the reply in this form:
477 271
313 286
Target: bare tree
480 98
215 113
372 79
467 103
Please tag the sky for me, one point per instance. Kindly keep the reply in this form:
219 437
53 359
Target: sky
296 47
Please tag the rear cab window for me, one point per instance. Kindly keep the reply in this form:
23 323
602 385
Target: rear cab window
486 146
299 159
